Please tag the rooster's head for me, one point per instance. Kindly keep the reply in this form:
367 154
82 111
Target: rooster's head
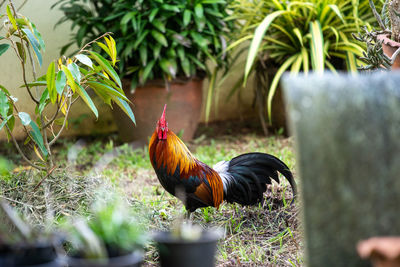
162 126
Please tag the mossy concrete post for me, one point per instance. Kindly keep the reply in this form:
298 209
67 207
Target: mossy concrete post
347 135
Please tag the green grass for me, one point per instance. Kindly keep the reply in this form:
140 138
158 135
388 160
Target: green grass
265 235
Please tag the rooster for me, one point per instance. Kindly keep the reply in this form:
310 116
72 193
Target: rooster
243 179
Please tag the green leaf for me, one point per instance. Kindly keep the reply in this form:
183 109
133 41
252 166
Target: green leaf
51 83
21 51
89 102
275 82
85 60
35 83
70 78
337 11
147 70
153 14
198 10
168 66
61 80
156 50
35 45
185 63
43 99
317 47
74 69
159 25
186 17
159 37
4 105
125 107
170 8
106 66
143 54
25 118
11 17
3 48
258 36
37 137
199 39
5 121
107 89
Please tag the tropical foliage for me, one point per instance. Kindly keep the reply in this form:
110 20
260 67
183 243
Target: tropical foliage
156 39
300 35
53 94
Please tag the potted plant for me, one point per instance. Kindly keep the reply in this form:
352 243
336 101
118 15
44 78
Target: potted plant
21 245
163 48
187 245
383 46
294 36
112 235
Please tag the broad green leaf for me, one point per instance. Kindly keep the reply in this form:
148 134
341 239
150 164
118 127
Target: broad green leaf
186 17
35 45
147 70
3 48
43 100
107 67
185 63
156 50
5 121
153 14
70 78
256 42
25 118
84 60
37 137
159 25
170 8
74 69
107 89
125 107
89 102
51 82
4 105
317 47
199 39
143 54
21 51
11 17
140 38
159 37
61 80
169 66
198 10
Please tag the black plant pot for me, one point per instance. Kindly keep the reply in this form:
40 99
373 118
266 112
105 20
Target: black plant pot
182 253
133 259
39 255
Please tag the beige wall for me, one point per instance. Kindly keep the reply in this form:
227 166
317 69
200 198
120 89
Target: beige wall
45 18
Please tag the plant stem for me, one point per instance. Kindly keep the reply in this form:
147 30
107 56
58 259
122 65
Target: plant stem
64 123
22 153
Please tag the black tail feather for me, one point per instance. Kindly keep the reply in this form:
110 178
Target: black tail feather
251 172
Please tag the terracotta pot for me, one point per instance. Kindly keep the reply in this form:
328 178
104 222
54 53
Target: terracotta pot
382 251
389 47
183 109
